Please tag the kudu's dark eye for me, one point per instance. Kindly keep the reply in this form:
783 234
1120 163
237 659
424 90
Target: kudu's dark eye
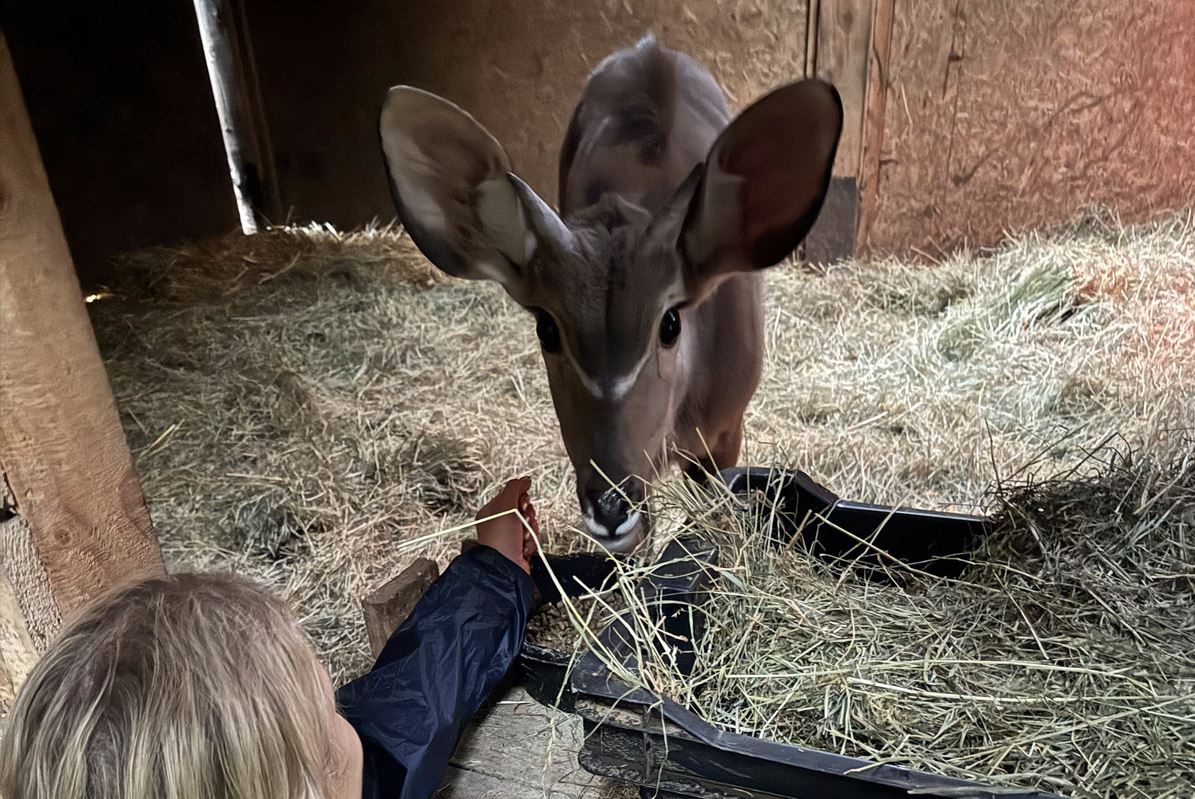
670 327
545 328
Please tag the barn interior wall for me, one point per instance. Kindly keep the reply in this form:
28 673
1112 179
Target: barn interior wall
517 65
999 116
122 109
1005 116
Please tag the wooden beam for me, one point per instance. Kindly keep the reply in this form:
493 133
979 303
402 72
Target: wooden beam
388 607
836 50
73 522
875 109
516 748
18 649
233 72
842 40
811 28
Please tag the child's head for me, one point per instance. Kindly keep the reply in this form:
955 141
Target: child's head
181 687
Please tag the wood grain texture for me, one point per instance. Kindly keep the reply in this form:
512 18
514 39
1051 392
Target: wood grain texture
521 747
69 479
1003 116
26 579
231 69
18 652
388 607
843 39
874 107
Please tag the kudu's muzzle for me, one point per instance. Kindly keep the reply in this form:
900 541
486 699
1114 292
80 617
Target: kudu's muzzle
615 516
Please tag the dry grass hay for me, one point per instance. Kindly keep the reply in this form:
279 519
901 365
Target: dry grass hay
1063 659
301 402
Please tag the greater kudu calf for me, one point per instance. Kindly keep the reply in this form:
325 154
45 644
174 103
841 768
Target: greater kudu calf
646 286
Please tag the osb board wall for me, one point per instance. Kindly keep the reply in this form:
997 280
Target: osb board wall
1003 115
518 65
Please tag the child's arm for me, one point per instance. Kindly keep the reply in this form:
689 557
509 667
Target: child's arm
439 666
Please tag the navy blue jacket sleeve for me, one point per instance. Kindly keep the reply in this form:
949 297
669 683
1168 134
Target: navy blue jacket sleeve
435 672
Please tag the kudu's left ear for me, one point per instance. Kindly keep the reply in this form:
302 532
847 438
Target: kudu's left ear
763 183
455 193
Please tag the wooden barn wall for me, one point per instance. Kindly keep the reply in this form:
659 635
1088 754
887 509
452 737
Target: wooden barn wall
122 109
517 65
1003 115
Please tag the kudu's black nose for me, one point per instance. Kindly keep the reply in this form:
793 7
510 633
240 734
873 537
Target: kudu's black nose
610 511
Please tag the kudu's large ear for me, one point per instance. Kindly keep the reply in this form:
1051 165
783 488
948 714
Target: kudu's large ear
763 182
455 194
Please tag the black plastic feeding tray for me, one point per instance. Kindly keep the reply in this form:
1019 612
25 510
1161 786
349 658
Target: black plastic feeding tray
543 671
872 538
635 736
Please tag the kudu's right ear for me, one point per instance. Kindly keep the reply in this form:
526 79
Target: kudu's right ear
455 194
763 183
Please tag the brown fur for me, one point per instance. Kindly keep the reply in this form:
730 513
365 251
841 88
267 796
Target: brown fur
664 209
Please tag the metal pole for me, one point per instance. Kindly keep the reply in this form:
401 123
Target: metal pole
246 165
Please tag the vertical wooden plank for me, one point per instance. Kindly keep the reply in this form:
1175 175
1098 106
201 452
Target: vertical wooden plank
234 88
837 44
875 109
246 63
811 25
843 41
73 522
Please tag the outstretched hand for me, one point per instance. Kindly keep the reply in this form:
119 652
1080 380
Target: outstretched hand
507 533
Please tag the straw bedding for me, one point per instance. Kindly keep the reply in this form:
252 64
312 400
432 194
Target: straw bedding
1063 659
302 402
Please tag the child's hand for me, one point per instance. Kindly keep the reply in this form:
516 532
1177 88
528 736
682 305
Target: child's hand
506 533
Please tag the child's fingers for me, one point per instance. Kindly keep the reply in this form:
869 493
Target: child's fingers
528 511
526 507
515 489
513 493
507 498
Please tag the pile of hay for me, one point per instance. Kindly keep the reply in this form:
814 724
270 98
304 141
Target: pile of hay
302 402
1063 659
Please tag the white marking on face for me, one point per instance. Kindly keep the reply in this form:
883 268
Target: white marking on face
595 529
628 525
614 389
620 541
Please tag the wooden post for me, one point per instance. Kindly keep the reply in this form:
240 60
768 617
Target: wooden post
837 43
388 607
73 522
233 74
875 109
811 27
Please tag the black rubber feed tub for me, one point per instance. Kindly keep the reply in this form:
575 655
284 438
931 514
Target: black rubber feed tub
637 737
640 738
543 671
871 538
794 505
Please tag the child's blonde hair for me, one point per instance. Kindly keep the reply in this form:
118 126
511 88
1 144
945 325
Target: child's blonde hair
182 687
